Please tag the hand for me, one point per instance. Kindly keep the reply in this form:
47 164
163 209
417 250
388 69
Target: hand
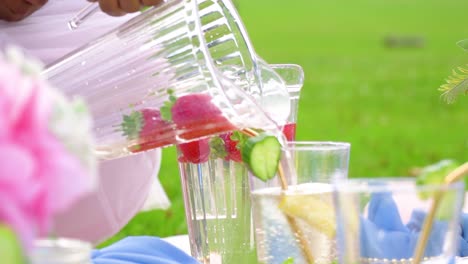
122 7
16 10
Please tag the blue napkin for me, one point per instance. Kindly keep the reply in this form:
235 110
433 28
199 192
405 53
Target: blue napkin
141 250
384 235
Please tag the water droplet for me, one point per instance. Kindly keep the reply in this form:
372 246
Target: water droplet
83 63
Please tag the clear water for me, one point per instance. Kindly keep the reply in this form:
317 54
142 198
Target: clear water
276 240
218 211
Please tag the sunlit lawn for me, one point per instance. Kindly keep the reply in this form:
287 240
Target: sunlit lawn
382 100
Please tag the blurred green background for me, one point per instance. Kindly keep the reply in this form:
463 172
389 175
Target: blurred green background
372 71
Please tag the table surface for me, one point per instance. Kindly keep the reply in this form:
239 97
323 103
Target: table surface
182 242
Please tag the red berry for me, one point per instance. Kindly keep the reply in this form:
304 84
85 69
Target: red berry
197 151
196 116
289 131
233 153
148 130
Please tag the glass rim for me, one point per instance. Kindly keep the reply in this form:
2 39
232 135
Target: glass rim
63 243
318 145
361 185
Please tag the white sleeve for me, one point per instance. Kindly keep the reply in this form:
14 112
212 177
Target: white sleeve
45 34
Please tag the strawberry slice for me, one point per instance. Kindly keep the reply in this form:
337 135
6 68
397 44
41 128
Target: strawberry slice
196 116
147 129
289 131
197 151
231 146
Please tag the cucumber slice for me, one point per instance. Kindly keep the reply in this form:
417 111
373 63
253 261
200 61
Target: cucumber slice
262 155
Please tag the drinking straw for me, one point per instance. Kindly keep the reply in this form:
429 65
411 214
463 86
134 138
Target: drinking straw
83 15
292 222
452 177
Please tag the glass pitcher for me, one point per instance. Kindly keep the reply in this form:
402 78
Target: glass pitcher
177 72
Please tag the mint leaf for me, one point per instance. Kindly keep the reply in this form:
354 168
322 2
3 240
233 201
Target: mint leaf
435 174
217 149
132 125
240 137
463 44
166 109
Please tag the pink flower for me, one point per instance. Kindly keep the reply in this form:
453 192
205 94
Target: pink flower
38 175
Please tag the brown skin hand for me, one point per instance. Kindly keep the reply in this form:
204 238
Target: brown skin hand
122 7
16 10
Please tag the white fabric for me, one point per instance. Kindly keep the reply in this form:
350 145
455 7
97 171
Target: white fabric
180 241
45 33
124 183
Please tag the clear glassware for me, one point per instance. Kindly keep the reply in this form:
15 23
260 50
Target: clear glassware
60 251
293 77
297 223
380 220
217 192
177 72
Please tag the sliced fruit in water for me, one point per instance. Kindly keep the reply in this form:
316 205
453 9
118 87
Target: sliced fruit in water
196 116
289 131
147 128
316 212
262 154
231 144
197 151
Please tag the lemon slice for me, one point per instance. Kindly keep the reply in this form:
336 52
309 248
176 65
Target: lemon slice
312 210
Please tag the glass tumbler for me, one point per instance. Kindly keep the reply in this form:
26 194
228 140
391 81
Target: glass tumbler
382 220
216 191
294 217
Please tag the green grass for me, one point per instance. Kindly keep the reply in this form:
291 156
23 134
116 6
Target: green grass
384 101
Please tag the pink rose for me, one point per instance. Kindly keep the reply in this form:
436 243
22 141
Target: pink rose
39 177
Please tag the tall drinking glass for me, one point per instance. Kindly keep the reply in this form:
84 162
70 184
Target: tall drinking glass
216 191
297 223
381 220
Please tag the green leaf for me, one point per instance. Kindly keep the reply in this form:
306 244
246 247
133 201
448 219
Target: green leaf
10 247
132 124
435 174
455 85
289 260
166 109
463 44
217 149
240 138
